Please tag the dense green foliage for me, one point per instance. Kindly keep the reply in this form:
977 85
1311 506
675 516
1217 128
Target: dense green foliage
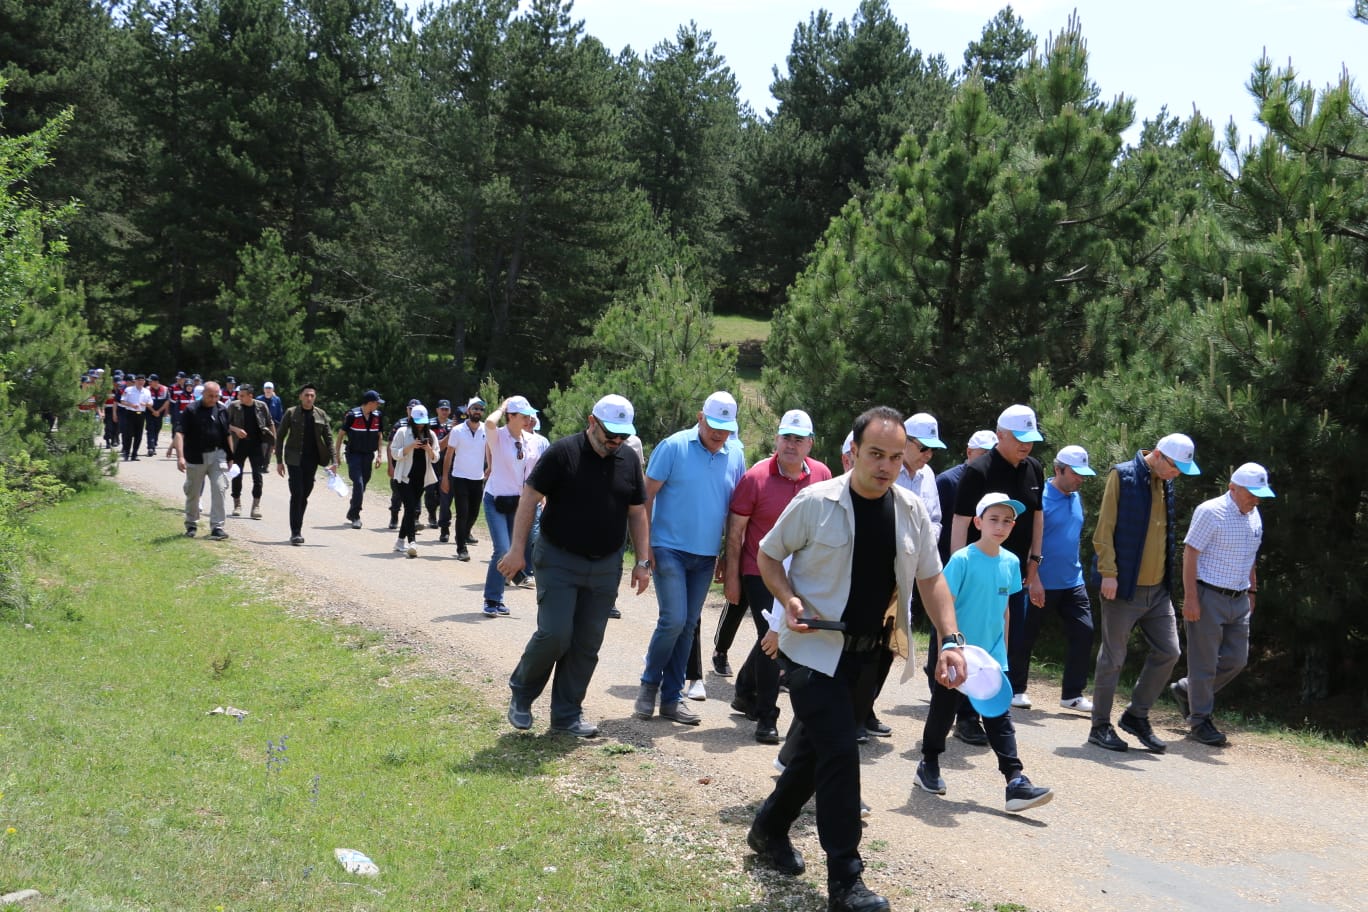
486 197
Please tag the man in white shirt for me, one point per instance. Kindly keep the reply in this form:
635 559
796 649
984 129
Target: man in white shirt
463 473
133 407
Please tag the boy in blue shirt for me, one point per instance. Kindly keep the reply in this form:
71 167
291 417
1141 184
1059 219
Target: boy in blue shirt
981 577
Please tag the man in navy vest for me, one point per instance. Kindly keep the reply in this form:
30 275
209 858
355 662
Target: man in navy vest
1136 566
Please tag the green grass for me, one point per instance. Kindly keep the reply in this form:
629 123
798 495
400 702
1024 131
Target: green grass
117 791
732 329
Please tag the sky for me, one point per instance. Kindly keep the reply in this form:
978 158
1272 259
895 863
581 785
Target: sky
1159 52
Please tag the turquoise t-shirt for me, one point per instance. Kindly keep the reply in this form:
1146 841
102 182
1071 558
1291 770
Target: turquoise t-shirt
690 510
981 586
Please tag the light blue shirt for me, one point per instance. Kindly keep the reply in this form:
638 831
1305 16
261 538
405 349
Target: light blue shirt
981 586
690 510
1059 564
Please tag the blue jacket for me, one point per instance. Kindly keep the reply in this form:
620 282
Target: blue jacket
1132 522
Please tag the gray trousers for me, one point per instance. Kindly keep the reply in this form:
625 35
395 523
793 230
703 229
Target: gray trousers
1151 610
215 468
574 596
1218 649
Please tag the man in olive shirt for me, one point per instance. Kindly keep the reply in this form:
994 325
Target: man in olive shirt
303 443
594 491
1134 541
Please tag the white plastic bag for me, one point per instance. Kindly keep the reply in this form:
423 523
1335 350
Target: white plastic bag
337 485
356 862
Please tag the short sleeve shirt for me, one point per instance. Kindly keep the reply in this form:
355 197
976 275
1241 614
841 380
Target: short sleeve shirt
467 451
508 458
991 473
1060 567
761 495
981 586
690 509
587 495
1227 541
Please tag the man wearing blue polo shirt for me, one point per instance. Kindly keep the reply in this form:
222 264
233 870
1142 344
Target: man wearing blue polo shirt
689 484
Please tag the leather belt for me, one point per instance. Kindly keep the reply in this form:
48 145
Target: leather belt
1228 593
867 643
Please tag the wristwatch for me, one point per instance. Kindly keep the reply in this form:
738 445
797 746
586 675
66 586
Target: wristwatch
1037 558
952 641
646 564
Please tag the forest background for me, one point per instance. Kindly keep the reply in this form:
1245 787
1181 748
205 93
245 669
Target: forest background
482 196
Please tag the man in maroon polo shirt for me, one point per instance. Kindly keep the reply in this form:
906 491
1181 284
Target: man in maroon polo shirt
761 495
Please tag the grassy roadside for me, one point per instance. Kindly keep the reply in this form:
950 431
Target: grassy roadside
117 791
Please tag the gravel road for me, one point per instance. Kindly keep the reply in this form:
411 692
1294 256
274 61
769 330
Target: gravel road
1258 824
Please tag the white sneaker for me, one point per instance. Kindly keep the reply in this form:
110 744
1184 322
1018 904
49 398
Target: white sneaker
412 551
779 765
400 546
694 690
1021 701
1082 704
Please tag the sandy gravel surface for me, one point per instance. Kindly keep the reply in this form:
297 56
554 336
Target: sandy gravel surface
1259 824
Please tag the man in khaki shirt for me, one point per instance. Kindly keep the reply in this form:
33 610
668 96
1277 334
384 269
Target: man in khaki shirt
1134 541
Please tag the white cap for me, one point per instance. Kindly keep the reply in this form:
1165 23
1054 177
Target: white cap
616 414
985 683
719 410
983 440
1021 421
923 428
845 447
1179 448
797 422
1076 458
518 405
268 385
198 392
475 400
995 498
419 415
1253 478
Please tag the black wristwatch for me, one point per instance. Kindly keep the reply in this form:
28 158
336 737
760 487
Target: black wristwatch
1037 558
952 641
646 564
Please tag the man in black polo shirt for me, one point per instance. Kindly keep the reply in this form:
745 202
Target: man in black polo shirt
594 490
1010 469
203 442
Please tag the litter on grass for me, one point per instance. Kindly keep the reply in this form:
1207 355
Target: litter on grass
356 862
227 711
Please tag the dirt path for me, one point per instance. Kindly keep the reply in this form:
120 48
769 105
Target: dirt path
1257 824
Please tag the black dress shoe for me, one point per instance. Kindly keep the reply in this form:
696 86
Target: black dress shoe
855 898
1141 728
970 731
767 734
615 612
776 852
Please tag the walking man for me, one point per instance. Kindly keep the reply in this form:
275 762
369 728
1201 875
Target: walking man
463 472
273 402
159 406
689 483
594 493
203 442
1061 574
362 430
303 444
133 405
1219 583
1135 562
857 543
254 433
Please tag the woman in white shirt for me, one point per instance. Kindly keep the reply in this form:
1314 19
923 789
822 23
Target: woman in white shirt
512 453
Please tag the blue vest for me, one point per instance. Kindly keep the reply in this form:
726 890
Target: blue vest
1132 523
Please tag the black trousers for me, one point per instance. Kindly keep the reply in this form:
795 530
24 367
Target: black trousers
111 428
1075 615
153 426
432 496
466 494
247 451
758 678
359 466
410 498
728 623
1001 733
130 431
826 759
301 486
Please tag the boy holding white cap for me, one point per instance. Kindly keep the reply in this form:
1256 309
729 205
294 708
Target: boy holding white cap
981 577
1219 582
1136 566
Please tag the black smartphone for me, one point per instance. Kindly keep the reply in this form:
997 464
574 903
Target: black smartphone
822 624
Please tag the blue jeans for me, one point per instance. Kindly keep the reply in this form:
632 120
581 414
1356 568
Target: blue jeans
500 535
681 584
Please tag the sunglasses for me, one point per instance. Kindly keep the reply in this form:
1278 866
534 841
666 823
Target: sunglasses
921 447
619 438
517 446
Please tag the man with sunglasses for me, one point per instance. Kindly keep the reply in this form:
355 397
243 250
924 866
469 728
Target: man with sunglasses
463 471
1136 567
594 493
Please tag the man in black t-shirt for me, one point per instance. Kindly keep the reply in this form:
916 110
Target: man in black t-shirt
1009 468
594 492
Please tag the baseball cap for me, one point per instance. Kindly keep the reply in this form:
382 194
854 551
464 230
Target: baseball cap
419 416
845 445
616 414
983 440
230 380
923 428
518 405
474 401
1076 458
244 388
372 396
413 402
1021 421
180 374
154 377
444 403
994 498
719 410
268 385
1179 448
198 392
1253 478
985 683
796 422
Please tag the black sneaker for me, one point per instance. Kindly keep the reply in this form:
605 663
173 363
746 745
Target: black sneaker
855 897
614 612
776 852
394 521
190 531
444 538
1180 696
462 554
1141 728
1021 795
1207 733
218 535
296 540
970 731
1105 736
876 727
721 665
928 779
472 540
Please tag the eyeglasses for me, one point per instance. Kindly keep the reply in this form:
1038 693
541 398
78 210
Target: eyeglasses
618 438
921 447
517 446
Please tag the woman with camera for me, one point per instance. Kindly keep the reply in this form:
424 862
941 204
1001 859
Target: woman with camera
413 450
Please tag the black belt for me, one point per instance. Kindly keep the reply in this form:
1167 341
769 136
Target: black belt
1228 593
869 642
